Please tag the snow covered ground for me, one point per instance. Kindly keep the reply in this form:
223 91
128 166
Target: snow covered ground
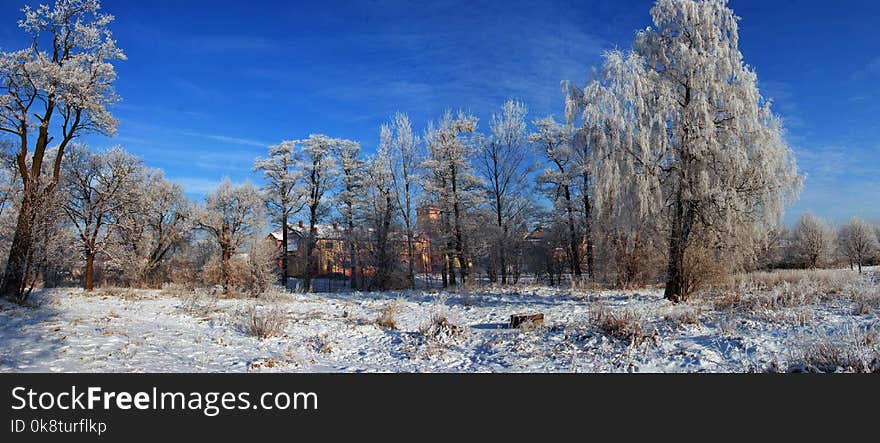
795 325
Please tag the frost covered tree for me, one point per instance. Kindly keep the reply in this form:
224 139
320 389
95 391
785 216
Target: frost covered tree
587 130
858 242
687 138
281 180
54 91
320 171
452 183
812 240
155 223
379 212
351 181
554 142
232 215
405 157
503 163
97 187
53 253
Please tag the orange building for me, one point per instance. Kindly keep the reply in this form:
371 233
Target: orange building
332 255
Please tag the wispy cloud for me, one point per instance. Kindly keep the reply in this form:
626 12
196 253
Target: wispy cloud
225 43
195 89
428 68
869 70
196 186
228 139
840 180
785 103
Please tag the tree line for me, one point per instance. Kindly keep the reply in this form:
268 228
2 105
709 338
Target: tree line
669 166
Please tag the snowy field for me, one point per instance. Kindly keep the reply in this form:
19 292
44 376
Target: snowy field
794 321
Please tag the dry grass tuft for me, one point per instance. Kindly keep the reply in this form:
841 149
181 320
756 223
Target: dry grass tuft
198 304
829 356
626 325
171 289
683 316
798 316
821 284
265 324
441 331
387 318
322 344
865 297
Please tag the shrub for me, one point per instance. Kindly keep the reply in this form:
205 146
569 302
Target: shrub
265 324
250 274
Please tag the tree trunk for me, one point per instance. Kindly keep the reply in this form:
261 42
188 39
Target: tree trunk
284 248
310 248
226 272
588 225
502 256
352 247
502 250
410 250
14 276
443 272
89 277
675 266
675 273
459 241
574 249
450 268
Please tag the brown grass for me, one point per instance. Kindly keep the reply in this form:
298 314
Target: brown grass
322 344
388 314
782 289
265 324
683 316
626 325
865 297
830 281
830 356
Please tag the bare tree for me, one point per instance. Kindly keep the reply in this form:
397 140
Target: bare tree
232 215
97 187
320 173
282 179
405 160
812 240
857 241
62 82
152 226
555 143
503 164
351 174
379 212
453 180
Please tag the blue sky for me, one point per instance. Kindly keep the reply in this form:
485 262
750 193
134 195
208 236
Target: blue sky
209 84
